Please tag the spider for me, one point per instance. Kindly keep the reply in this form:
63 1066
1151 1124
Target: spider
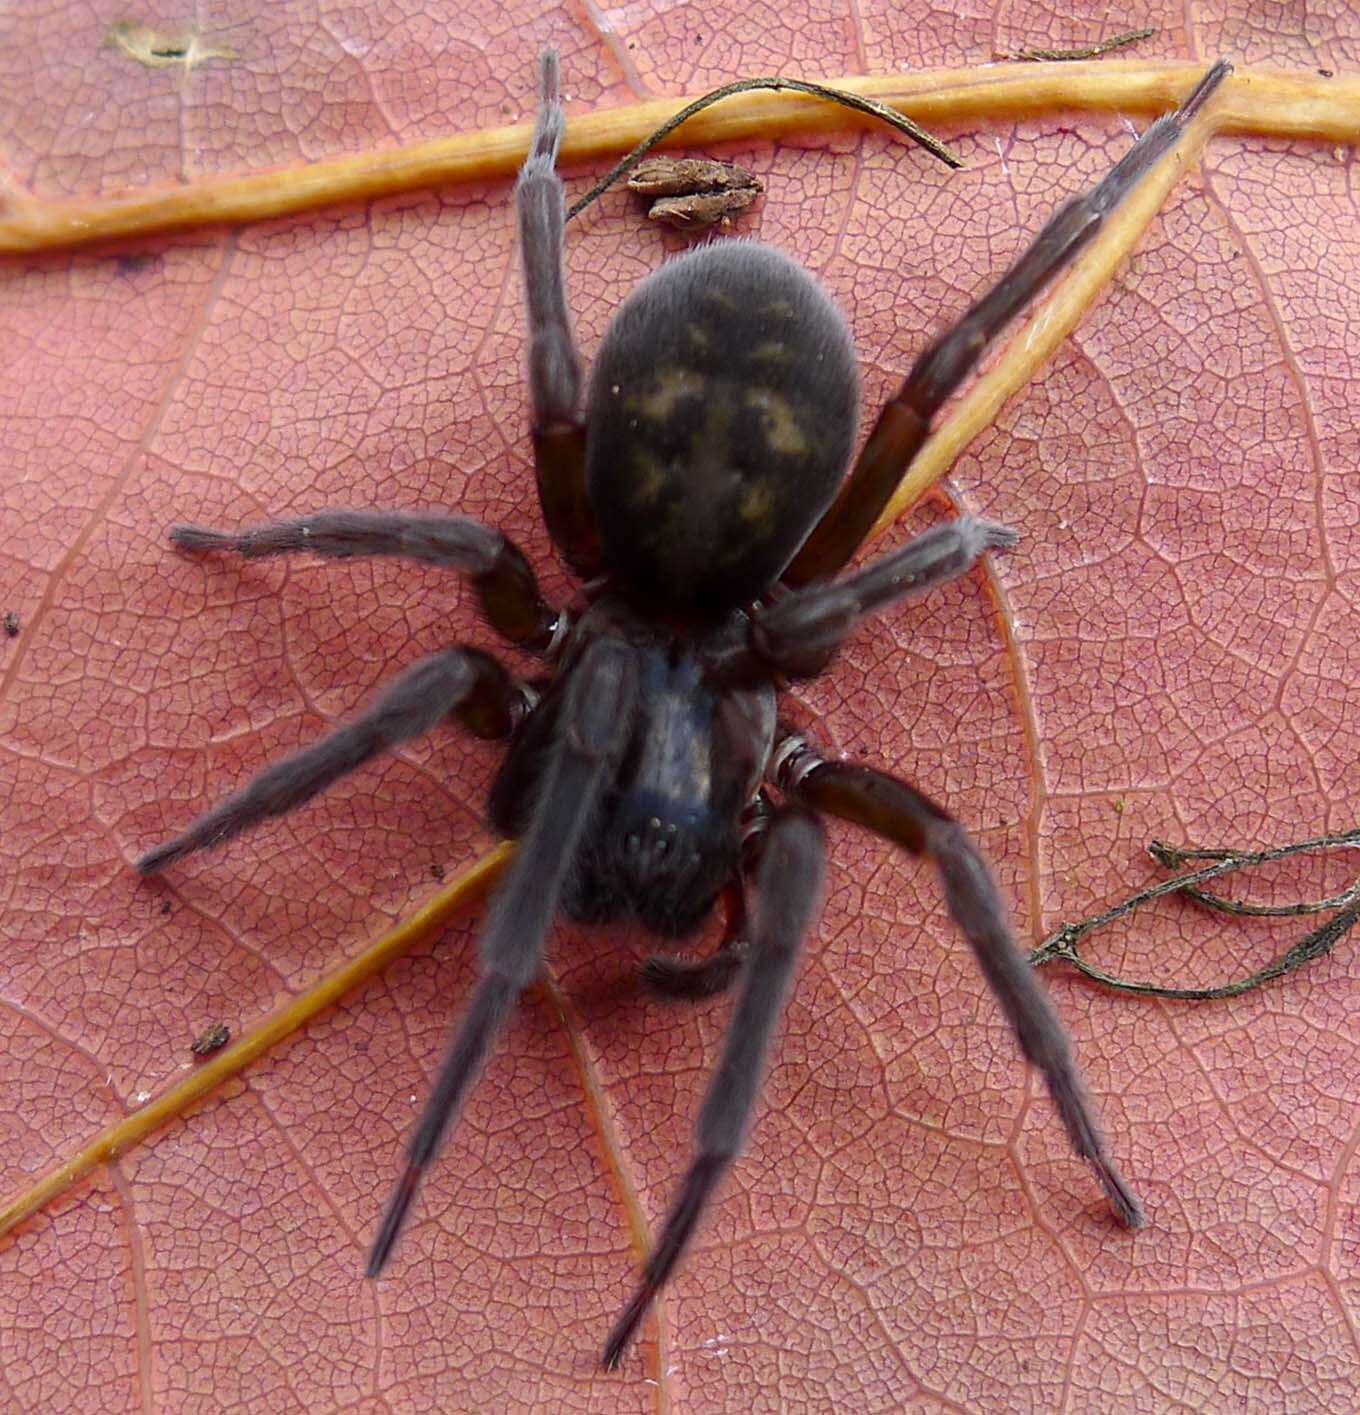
697 490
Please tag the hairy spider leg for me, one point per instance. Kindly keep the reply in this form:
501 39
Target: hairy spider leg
693 979
559 429
798 635
906 420
788 884
908 818
502 576
594 728
463 681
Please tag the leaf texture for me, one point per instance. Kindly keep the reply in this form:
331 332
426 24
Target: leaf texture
1171 651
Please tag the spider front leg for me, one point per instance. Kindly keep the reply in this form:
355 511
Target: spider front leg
462 681
906 421
593 731
559 430
788 882
905 816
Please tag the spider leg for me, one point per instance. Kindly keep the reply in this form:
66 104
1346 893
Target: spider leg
907 817
798 635
693 979
594 728
788 881
905 422
503 577
464 681
559 430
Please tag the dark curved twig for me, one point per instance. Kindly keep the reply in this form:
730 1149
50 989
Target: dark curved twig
1062 943
856 101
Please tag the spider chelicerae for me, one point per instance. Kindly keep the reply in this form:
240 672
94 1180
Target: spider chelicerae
697 490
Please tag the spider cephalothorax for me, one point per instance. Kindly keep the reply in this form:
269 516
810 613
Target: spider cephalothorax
700 492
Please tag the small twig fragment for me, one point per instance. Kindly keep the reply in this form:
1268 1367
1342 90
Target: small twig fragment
692 193
701 210
667 176
1091 51
212 1039
1173 857
1062 943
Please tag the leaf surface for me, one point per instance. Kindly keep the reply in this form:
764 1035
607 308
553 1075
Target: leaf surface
1171 651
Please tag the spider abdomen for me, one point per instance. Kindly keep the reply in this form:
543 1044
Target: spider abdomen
720 418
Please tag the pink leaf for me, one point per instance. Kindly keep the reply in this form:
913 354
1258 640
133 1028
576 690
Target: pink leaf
1171 651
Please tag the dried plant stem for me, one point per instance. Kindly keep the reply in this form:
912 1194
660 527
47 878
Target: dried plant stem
1252 101
293 1015
1173 856
855 102
1062 943
1090 51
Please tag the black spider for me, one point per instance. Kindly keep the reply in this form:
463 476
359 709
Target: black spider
697 493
